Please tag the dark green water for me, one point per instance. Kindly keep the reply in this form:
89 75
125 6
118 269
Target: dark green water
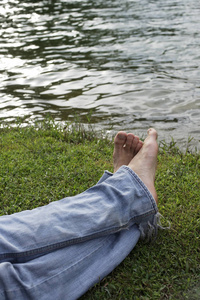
130 64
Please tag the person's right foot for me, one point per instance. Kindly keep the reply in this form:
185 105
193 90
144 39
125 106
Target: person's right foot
126 146
145 162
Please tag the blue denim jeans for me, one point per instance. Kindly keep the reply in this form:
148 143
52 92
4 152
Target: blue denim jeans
60 250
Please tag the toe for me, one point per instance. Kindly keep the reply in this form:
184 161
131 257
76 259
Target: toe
138 147
135 143
129 141
120 139
152 132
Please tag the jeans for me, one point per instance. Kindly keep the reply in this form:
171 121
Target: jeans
60 250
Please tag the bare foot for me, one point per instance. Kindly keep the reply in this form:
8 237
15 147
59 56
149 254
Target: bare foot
126 146
145 162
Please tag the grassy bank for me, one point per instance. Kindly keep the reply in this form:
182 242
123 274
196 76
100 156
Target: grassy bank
45 163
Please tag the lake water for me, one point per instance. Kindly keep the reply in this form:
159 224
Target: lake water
128 64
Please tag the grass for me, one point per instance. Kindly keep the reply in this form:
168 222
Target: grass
43 163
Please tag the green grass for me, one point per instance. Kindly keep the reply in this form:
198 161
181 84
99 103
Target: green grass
44 163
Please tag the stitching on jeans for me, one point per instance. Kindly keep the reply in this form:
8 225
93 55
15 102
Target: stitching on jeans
28 289
44 250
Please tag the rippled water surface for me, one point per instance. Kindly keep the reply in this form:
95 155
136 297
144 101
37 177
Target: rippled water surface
130 64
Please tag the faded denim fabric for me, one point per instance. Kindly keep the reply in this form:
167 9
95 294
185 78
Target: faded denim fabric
60 250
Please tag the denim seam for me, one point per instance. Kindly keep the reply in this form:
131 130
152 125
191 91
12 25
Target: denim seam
56 246
101 233
61 271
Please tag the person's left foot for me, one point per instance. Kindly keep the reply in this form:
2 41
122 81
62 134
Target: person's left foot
126 146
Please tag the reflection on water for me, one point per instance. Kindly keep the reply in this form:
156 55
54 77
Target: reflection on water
133 64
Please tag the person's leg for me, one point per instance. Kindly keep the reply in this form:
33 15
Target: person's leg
126 146
41 230
124 185
66 273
